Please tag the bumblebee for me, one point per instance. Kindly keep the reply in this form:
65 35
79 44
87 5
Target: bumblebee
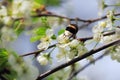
71 31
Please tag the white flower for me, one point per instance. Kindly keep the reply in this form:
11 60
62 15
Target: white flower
110 20
49 32
26 4
24 70
3 11
45 41
107 39
102 24
21 8
31 74
97 36
8 34
99 27
117 32
7 20
43 45
101 6
63 50
71 49
81 50
42 59
115 55
74 43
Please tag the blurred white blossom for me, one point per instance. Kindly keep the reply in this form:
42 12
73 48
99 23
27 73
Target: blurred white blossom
98 30
110 20
117 32
3 11
21 8
101 7
24 70
7 20
63 49
8 34
107 39
115 54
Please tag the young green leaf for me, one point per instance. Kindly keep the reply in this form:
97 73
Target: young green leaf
40 31
61 31
35 38
3 58
53 37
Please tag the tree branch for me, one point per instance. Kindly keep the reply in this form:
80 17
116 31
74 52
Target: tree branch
71 19
37 52
91 37
91 52
88 64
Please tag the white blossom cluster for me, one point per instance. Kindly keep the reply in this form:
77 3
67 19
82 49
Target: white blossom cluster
24 70
67 48
4 16
115 53
21 8
18 8
44 58
71 49
104 27
8 34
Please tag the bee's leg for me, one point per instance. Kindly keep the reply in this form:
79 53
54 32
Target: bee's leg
74 36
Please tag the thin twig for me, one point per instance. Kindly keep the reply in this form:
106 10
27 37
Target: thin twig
91 52
37 52
59 16
88 64
91 37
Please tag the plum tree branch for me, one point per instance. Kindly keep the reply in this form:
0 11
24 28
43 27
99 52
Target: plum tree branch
37 52
91 37
71 19
88 64
91 52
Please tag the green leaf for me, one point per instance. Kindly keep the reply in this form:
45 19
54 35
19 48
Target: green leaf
40 31
61 31
44 21
40 1
10 0
11 76
49 2
19 31
35 38
53 37
35 20
52 2
3 58
18 27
